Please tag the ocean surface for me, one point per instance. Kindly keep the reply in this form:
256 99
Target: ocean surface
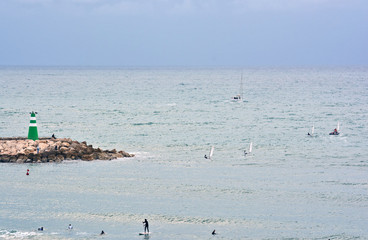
291 186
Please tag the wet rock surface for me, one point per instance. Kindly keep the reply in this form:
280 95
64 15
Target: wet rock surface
22 150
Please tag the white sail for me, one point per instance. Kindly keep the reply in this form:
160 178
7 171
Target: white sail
250 147
312 132
211 152
338 126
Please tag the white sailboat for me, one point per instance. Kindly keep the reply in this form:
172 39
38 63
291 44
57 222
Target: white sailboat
312 131
211 152
239 96
250 149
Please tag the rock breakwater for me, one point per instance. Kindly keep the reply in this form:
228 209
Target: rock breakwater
22 150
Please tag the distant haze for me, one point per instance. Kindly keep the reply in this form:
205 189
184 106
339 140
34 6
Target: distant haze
184 32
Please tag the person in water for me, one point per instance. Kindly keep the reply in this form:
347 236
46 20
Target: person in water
40 229
102 232
205 156
214 232
335 132
70 226
53 136
145 224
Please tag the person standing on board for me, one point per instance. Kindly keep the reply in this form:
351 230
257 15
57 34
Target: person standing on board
145 224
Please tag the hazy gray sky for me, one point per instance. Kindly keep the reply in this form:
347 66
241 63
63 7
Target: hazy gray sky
184 32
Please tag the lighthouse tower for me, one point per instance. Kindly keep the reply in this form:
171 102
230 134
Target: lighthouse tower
32 130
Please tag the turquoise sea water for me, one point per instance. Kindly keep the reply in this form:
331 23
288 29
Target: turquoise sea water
290 186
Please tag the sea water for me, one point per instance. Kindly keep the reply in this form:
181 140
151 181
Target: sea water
290 186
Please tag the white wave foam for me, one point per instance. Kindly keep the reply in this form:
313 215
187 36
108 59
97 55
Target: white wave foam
13 234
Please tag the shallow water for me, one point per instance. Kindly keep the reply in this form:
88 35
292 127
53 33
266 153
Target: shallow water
290 186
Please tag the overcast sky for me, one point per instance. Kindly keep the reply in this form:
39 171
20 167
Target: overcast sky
184 32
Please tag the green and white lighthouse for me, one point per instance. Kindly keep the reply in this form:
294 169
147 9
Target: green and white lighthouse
32 130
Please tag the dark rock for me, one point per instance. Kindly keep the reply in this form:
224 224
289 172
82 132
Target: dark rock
89 150
87 157
5 158
13 159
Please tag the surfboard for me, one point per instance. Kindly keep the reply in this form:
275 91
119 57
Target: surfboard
144 233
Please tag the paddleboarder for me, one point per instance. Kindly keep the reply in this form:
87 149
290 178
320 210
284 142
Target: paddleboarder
145 224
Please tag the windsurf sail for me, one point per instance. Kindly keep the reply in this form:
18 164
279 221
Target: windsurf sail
211 152
312 131
338 126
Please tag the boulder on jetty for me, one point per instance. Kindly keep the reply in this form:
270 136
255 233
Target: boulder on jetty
22 150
